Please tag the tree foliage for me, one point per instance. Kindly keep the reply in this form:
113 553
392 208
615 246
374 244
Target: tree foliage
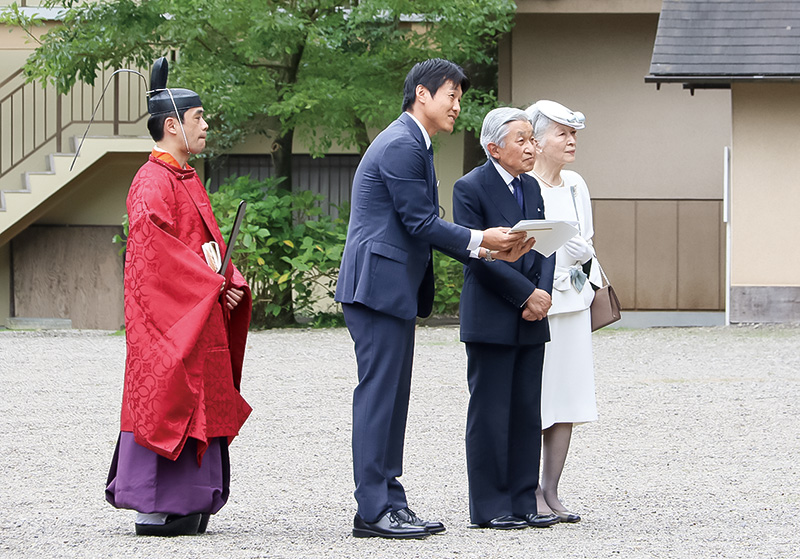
288 250
328 71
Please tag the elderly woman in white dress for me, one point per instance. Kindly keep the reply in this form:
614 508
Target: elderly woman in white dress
568 376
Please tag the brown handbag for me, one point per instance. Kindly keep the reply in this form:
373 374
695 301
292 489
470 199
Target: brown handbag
605 308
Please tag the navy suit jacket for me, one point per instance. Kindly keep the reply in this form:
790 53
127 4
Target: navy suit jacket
494 292
394 222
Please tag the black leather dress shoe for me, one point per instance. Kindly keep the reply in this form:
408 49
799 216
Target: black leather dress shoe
408 516
541 520
175 526
506 522
390 525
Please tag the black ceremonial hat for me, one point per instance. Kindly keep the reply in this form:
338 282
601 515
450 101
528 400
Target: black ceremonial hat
159 100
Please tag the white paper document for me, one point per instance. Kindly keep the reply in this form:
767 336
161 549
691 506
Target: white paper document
213 257
550 234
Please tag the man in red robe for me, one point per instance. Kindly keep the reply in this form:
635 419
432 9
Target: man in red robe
186 328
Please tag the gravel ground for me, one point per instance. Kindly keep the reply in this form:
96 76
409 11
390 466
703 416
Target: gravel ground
695 453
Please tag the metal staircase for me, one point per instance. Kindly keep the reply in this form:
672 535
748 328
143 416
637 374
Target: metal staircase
39 129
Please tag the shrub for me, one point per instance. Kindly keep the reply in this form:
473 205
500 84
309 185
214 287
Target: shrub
287 249
449 278
289 252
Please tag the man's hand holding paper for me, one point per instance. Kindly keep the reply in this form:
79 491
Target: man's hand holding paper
505 244
516 252
502 239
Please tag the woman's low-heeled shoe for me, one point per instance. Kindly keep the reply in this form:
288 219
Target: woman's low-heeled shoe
175 526
566 516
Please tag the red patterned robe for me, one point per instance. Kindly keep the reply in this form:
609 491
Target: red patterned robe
184 348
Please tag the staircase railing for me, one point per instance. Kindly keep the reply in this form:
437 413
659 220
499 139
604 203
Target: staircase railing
33 114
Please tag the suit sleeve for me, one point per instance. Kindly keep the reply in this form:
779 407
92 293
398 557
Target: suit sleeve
548 267
403 169
500 277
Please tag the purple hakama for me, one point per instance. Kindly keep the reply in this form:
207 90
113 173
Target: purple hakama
146 482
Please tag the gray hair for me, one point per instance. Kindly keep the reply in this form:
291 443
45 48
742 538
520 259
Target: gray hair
495 126
541 123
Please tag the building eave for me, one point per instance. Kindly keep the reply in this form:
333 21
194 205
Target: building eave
692 81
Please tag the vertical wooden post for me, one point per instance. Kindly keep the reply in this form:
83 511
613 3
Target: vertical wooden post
116 104
59 123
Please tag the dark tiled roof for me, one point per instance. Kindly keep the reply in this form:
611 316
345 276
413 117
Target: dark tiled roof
725 40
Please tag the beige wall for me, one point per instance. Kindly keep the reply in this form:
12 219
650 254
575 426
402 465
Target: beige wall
765 184
97 197
448 161
663 255
638 142
69 272
59 269
653 160
589 6
5 283
16 46
765 195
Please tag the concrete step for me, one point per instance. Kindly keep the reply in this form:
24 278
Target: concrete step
18 208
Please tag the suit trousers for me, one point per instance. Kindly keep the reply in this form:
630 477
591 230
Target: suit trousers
503 429
384 347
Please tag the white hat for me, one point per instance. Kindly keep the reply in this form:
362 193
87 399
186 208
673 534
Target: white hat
559 113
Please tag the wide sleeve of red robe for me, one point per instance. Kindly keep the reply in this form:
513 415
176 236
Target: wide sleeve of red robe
184 348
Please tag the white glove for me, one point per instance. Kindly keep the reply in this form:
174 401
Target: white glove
579 249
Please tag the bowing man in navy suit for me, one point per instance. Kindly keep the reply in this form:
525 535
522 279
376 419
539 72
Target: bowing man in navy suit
504 327
386 281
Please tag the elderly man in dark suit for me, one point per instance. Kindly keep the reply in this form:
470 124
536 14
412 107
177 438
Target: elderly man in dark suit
504 327
386 281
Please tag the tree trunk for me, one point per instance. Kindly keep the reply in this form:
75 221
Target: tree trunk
282 167
282 158
362 138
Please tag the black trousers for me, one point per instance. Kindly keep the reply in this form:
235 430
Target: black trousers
384 347
503 429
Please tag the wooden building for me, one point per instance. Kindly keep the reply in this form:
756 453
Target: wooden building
750 50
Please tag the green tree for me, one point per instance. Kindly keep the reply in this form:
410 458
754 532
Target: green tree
326 70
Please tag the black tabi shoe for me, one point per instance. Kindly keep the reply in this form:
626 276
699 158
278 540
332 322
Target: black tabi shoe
390 525
203 523
407 515
175 526
541 520
506 522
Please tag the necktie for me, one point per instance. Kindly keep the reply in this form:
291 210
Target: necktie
517 184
